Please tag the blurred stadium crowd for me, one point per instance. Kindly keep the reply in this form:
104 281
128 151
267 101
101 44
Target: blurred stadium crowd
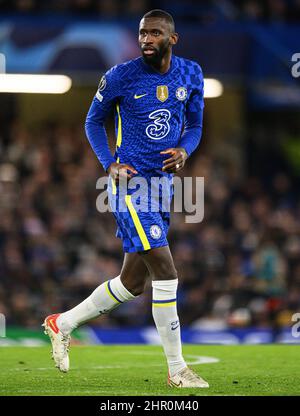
204 11
239 267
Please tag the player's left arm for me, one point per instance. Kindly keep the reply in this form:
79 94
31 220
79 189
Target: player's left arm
192 133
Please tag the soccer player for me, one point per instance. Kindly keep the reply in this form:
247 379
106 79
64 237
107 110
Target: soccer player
158 101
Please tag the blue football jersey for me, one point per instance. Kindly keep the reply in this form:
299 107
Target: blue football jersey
153 112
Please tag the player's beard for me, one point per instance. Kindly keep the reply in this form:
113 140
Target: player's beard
156 59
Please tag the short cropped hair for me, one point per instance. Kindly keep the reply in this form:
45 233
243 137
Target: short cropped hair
162 15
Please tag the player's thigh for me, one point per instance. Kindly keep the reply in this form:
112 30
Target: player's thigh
134 270
160 263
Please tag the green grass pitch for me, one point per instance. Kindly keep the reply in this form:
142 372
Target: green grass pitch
136 370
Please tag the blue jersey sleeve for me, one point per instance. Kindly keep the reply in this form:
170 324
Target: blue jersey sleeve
108 93
192 133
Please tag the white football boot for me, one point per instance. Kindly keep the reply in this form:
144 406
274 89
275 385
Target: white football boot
60 343
187 378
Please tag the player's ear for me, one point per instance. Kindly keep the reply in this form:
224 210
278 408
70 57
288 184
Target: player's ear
174 38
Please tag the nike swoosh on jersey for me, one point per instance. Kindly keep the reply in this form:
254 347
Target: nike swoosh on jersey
139 96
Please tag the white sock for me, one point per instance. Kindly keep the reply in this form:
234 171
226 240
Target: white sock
165 316
105 297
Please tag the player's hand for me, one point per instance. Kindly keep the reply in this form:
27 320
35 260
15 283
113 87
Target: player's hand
120 170
176 162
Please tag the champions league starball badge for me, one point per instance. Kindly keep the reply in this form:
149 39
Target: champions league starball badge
102 83
101 86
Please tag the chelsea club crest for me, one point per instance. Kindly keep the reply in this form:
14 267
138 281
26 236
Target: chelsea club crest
155 231
181 93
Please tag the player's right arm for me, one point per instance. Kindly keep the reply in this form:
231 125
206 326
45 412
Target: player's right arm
108 93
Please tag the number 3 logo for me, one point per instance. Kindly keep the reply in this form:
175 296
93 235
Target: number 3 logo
160 128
